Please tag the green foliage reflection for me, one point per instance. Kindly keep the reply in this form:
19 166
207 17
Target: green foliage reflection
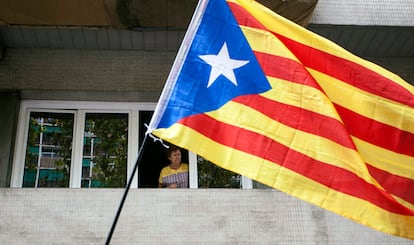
213 176
109 133
49 150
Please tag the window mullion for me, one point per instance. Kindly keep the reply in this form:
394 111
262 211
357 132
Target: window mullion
21 143
192 159
133 146
77 150
247 183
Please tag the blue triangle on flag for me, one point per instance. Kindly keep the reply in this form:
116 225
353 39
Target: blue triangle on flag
190 94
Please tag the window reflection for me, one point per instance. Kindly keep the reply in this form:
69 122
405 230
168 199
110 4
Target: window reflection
49 150
258 185
104 161
212 176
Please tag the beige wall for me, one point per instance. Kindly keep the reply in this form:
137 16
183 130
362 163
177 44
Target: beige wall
161 216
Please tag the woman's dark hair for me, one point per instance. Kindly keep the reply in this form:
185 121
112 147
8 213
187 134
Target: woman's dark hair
171 149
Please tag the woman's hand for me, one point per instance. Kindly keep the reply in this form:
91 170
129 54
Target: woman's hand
173 185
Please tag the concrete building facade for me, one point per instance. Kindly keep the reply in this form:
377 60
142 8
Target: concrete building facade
87 71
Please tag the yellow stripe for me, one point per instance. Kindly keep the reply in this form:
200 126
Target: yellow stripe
306 97
295 94
290 182
392 162
285 27
385 111
292 93
265 42
311 145
404 203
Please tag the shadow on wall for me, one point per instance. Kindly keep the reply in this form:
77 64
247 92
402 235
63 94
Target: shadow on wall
124 14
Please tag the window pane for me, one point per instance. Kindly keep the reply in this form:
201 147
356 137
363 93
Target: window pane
49 150
258 185
212 176
105 150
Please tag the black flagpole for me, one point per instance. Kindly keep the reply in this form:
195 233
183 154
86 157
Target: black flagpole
140 153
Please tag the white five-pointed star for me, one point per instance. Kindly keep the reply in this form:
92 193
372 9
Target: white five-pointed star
222 64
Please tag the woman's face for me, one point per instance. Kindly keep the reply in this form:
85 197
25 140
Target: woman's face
175 157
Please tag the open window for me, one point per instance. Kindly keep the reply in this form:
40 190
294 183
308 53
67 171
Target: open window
154 157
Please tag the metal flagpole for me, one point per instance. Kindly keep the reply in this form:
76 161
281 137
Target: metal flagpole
140 153
159 110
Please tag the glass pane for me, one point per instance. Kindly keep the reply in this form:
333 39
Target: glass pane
212 176
258 185
104 161
49 150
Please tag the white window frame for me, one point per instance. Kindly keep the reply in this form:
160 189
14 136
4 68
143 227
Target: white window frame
80 109
21 142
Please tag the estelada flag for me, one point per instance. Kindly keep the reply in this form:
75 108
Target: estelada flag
263 97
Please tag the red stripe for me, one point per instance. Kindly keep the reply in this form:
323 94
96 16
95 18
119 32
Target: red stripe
349 72
376 133
243 17
286 69
339 68
394 184
274 66
261 146
299 118
342 69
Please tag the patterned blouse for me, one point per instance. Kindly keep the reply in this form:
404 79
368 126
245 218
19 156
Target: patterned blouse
178 176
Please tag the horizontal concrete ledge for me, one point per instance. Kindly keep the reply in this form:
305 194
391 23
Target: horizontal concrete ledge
91 95
182 216
356 12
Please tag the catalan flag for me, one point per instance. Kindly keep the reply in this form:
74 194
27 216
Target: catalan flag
263 97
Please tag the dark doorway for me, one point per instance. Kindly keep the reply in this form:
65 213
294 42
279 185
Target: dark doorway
154 157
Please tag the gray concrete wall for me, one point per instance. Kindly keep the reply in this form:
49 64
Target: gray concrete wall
356 12
102 75
161 216
107 75
9 109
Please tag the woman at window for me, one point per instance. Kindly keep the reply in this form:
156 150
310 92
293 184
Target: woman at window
175 175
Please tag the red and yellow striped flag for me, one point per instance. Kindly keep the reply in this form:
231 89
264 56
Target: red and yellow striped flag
261 96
